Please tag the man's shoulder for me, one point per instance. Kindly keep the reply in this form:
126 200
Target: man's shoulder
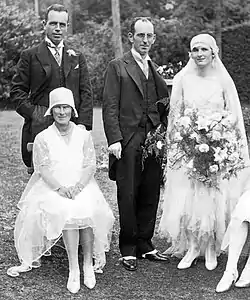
32 49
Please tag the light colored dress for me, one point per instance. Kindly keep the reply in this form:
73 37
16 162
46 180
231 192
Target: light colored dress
189 206
44 214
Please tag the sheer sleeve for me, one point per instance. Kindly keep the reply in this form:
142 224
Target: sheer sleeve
89 161
42 162
40 153
176 101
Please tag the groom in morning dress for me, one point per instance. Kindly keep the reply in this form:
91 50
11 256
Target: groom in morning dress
132 88
41 69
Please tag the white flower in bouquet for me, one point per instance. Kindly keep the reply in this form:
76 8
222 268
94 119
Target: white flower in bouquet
228 121
188 112
213 169
177 136
190 165
159 145
216 117
234 156
194 136
220 154
203 123
203 148
230 136
216 135
185 121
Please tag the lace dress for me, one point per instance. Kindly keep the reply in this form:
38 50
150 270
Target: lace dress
44 213
191 207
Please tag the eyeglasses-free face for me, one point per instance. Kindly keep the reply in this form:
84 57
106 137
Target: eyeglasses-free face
202 55
56 26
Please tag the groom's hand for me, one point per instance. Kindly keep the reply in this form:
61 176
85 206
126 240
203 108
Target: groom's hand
115 149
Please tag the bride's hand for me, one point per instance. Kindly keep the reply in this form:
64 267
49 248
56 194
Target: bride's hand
65 192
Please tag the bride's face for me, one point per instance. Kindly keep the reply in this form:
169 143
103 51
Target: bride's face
202 55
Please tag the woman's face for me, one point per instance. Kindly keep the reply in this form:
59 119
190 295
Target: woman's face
62 114
202 55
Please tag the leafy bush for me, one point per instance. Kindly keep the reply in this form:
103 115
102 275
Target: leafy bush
18 30
96 44
235 55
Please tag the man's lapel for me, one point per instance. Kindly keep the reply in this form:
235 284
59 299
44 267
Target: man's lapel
68 61
131 67
161 86
43 57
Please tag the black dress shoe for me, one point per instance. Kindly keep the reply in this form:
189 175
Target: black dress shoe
129 264
156 257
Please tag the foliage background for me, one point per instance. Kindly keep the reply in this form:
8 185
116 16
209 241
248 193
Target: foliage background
176 21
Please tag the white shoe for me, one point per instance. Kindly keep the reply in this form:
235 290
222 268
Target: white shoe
210 259
89 277
73 284
227 280
244 280
189 259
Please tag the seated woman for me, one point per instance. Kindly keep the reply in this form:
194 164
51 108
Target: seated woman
235 239
62 198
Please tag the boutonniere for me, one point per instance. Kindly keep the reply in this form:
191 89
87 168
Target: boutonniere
71 52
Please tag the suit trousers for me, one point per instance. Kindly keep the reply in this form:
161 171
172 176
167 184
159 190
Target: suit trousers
138 191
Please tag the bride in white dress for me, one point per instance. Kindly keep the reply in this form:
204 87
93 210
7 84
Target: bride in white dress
194 216
62 198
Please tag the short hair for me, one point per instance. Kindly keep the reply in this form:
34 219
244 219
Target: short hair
55 7
143 19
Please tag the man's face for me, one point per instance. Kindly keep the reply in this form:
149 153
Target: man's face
56 26
143 38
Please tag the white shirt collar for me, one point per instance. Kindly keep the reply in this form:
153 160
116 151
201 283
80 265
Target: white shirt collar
137 56
59 46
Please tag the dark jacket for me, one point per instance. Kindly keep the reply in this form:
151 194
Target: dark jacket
30 93
123 100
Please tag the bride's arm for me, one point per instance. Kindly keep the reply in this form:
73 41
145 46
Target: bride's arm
176 101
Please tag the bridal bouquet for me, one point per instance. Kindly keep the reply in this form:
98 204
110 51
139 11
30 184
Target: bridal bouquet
208 146
155 145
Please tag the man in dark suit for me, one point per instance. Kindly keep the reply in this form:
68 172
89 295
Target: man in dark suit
45 67
131 91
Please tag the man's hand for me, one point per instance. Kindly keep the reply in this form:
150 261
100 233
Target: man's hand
115 149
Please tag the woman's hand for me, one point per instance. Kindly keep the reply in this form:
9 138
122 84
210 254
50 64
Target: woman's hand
65 192
77 189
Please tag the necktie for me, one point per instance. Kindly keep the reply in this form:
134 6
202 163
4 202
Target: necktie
145 67
56 54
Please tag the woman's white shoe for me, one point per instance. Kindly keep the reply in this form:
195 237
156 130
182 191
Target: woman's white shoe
244 280
189 259
227 280
89 277
73 284
210 259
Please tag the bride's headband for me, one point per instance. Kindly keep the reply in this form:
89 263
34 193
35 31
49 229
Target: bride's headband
206 39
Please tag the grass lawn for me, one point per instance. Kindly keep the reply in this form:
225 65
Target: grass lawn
152 281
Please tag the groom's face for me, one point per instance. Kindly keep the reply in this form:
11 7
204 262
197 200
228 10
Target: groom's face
143 37
56 26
